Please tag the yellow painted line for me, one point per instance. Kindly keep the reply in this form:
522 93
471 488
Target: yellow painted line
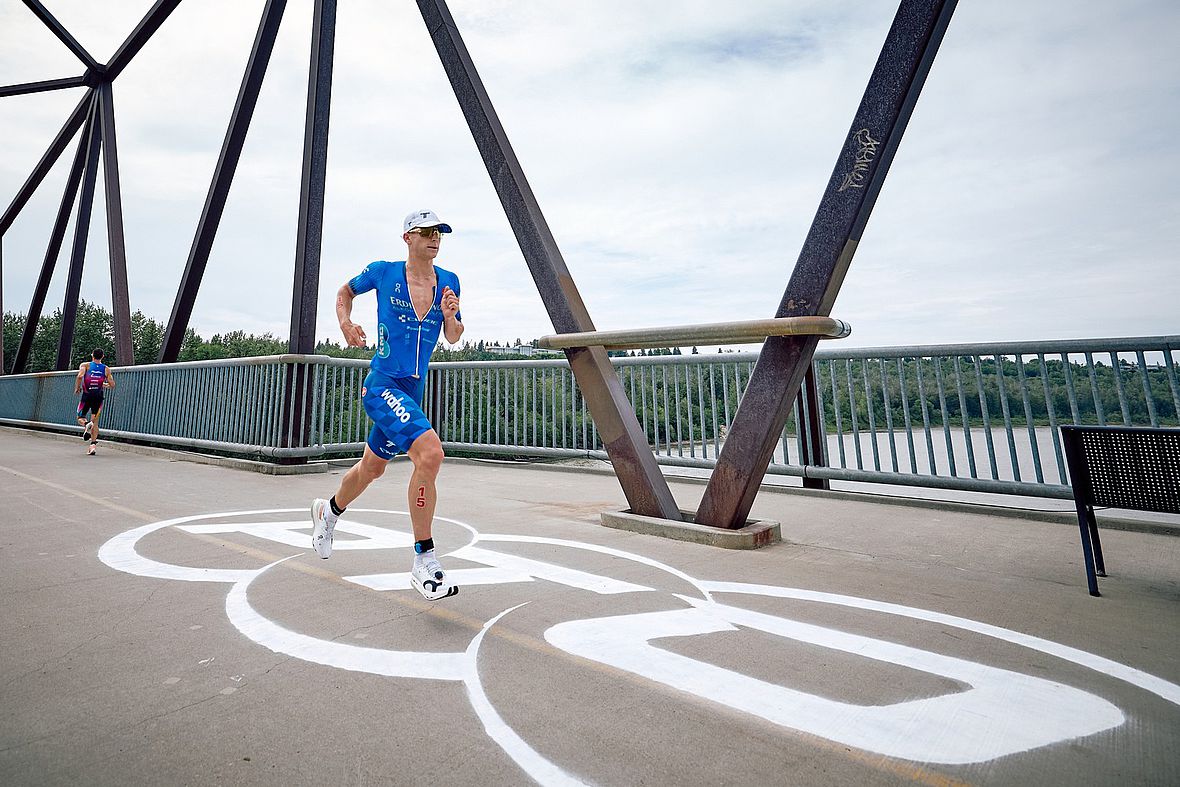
915 773
79 494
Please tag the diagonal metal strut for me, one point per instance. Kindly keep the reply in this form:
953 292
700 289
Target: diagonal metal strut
644 486
142 33
48 159
116 249
25 88
56 236
844 210
63 35
69 312
223 175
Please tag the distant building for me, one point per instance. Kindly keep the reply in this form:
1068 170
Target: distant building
526 350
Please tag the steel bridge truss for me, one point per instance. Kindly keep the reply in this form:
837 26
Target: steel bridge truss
819 271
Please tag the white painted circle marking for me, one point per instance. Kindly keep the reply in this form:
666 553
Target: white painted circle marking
1062 712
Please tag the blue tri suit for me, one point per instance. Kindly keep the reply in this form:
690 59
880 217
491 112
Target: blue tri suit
393 390
92 382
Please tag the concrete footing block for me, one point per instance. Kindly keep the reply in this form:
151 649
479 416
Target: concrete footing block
755 533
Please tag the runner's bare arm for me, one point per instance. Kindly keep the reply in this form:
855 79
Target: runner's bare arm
78 379
109 382
452 328
354 335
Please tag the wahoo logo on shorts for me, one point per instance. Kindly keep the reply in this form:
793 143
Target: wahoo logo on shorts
396 405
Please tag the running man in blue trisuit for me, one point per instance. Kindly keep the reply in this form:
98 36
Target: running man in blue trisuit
416 300
92 378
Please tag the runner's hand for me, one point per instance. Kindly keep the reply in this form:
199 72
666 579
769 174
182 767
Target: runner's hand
450 303
354 335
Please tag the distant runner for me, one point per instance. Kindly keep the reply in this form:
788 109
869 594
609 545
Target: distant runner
416 301
92 378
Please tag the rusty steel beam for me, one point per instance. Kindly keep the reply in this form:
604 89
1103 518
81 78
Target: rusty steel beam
2 370
46 84
69 311
50 157
139 36
306 287
120 299
844 210
814 442
63 35
25 347
223 176
644 486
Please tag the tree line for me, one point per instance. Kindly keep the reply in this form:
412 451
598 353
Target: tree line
680 404
95 327
696 402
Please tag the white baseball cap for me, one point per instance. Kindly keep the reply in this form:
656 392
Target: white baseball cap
425 218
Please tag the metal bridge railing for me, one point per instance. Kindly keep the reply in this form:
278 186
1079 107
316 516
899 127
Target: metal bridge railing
251 406
978 417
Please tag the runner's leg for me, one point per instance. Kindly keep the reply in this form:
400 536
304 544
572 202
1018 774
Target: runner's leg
427 575
359 476
427 455
324 513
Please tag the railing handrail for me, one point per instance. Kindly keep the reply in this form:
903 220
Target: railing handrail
733 332
954 416
1120 344
247 360
1123 344
1053 347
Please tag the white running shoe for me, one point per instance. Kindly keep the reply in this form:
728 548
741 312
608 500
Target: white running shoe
321 530
429 579
87 430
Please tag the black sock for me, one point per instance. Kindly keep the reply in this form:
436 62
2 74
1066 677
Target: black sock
337 510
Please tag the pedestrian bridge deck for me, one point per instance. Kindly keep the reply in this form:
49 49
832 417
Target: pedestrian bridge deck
151 635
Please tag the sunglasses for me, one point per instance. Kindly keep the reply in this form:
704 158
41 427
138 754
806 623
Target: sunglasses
427 232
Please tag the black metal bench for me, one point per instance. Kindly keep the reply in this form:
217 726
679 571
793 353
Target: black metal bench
1126 467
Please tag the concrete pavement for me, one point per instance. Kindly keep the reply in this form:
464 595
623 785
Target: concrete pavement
166 622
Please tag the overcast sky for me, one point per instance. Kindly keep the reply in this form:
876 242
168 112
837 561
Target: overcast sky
678 152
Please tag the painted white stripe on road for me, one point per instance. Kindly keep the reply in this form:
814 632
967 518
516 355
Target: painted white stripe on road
119 553
462 577
1158 686
560 542
1003 713
393 663
562 575
540 769
298 534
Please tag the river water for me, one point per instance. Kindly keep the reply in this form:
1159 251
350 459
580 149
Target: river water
1014 460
